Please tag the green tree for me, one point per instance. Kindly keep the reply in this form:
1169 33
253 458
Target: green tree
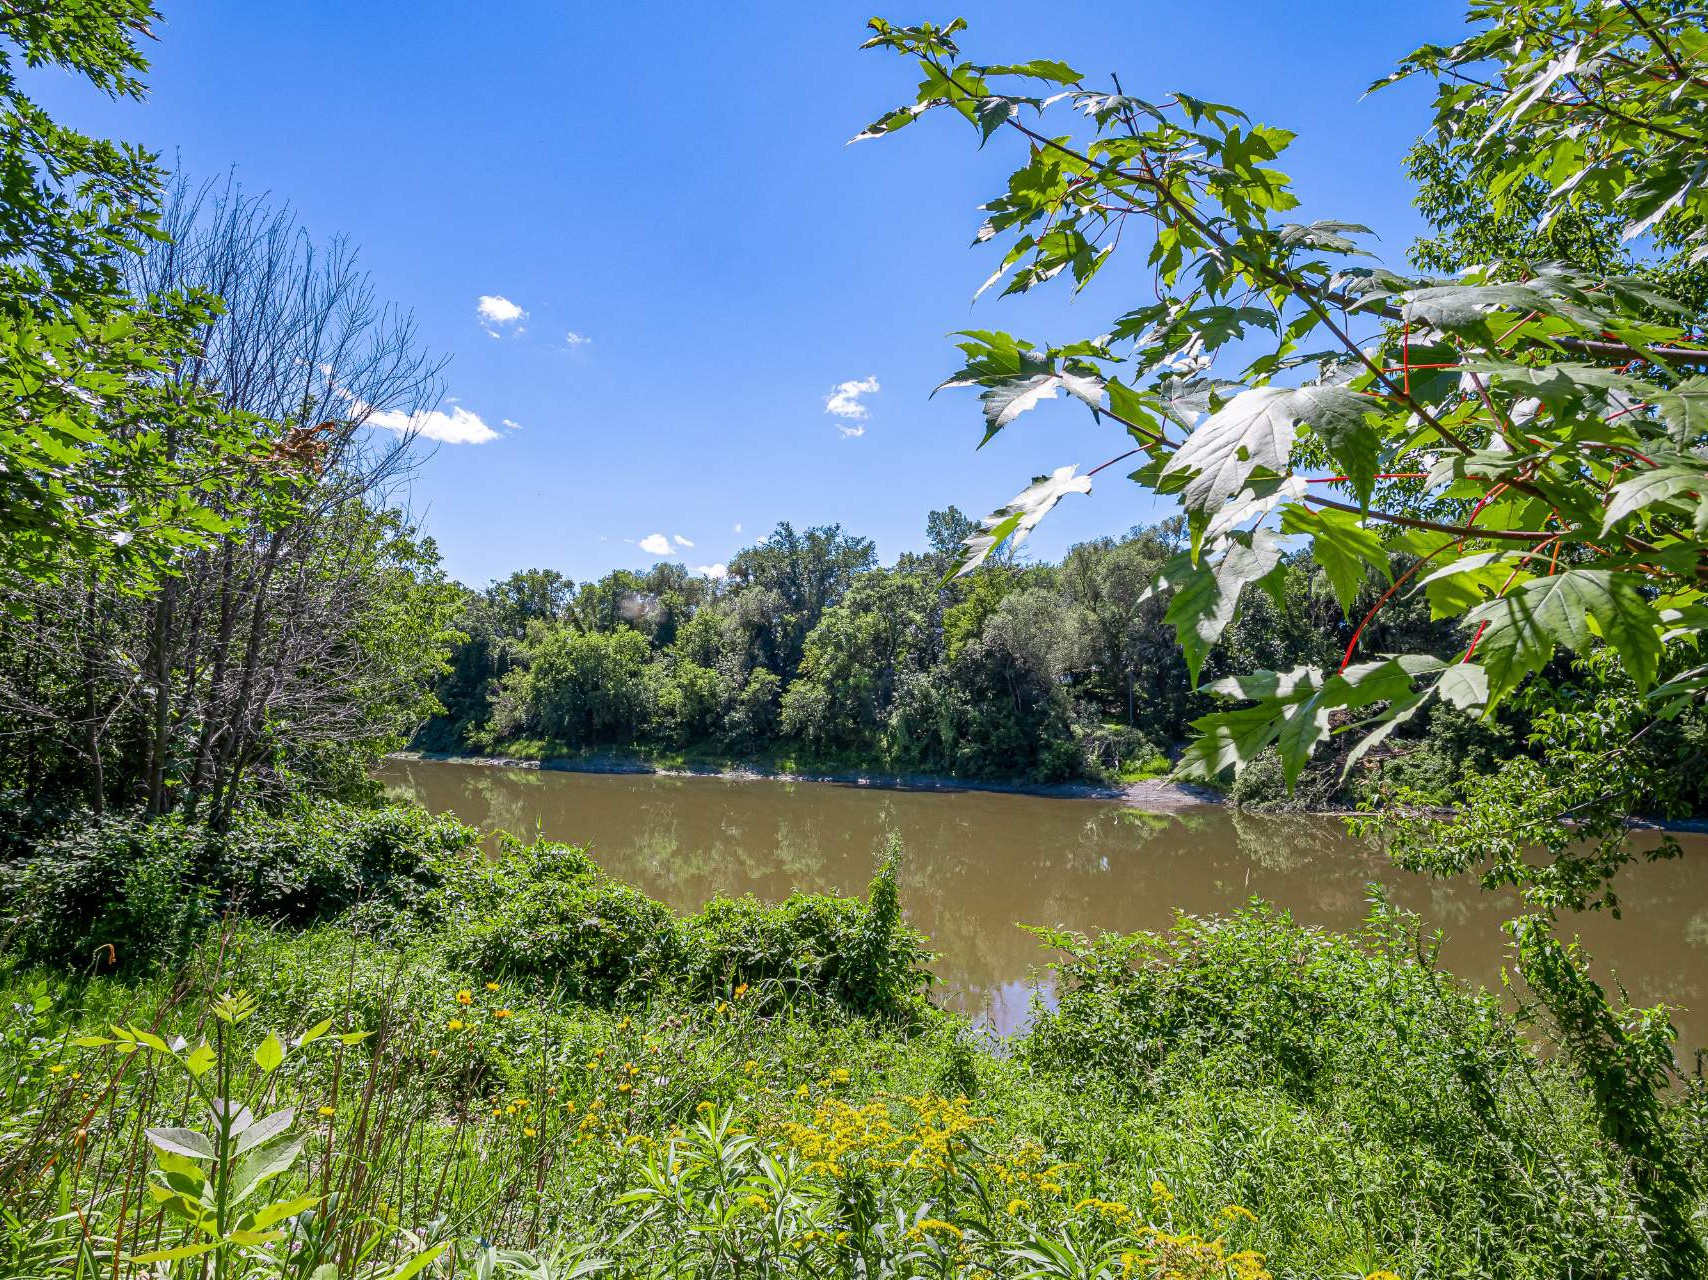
106 460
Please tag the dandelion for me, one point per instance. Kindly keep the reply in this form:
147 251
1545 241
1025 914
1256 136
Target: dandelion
501 1013
625 1087
455 1024
527 1133
465 996
327 1112
56 1068
492 986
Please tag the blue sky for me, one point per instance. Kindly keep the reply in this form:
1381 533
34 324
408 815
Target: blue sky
669 184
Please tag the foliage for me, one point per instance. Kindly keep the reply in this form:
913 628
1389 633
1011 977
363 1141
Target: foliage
105 461
1531 438
1230 1089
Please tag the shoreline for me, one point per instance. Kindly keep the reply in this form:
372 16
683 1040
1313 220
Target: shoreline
1152 795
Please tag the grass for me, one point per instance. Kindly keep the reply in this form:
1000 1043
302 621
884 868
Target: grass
474 1076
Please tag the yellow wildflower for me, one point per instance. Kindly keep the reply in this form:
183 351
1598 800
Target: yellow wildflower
492 986
455 1024
327 1111
501 1013
465 996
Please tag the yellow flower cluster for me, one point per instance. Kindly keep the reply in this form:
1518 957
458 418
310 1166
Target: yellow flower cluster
1190 1257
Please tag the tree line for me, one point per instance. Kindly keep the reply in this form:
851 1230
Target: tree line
812 652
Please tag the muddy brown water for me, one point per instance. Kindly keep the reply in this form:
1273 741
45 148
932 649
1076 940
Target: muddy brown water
980 864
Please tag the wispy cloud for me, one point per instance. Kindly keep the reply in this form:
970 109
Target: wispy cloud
681 541
849 433
574 339
655 544
844 398
715 571
738 526
457 426
498 314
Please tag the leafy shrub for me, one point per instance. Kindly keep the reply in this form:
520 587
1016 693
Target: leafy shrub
593 938
1286 1028
316 861
111 891
860 957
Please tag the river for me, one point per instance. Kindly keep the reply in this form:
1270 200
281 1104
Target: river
979 864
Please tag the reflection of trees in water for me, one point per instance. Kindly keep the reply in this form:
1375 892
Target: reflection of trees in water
979 863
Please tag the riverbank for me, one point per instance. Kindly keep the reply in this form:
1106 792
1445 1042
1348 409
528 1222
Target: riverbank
1154 795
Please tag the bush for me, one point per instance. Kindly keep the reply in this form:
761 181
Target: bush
592 938
1281 1030
111 891
861 957
316 861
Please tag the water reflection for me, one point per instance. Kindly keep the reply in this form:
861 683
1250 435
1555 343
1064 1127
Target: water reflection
979 864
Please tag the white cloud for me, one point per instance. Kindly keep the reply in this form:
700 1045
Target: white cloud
655 544
496 312
459 426
511 423
574 339
738 526
844 398
712 570
681 541
850 433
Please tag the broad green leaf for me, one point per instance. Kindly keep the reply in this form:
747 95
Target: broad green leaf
263 1129
270 1053
254 1237
419 1263
1520 630
1465 685
1255 429
283 1209
199 1060
261 1164
1341 544
1206 591
1648 487
173 1255
1467 582
314 1033
1684 408
183 1142
1013 522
